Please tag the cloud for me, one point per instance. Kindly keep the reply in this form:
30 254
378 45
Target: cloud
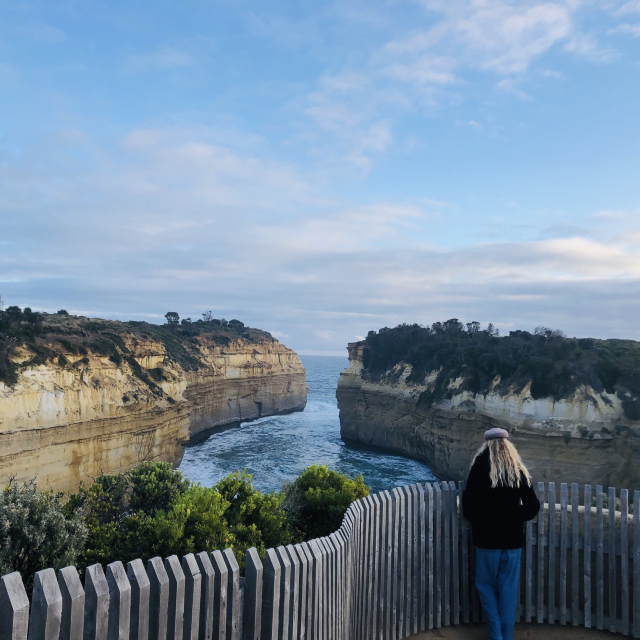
170 220
628 29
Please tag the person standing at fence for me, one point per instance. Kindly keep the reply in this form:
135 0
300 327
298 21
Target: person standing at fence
498 500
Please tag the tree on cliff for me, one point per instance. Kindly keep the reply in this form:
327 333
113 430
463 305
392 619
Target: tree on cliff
172 318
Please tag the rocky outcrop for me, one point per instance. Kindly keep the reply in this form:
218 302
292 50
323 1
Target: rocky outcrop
81 414
578 439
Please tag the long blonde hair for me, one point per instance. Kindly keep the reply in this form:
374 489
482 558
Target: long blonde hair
506 466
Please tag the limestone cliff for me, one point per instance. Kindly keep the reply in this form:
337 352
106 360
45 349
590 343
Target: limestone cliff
96 396
585 437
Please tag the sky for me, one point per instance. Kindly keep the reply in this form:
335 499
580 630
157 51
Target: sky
320 169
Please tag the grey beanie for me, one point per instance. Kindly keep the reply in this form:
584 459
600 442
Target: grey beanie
496 432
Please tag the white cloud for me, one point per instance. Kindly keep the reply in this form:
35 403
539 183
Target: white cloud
628 29
163 58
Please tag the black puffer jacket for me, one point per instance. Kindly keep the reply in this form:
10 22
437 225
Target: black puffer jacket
497 516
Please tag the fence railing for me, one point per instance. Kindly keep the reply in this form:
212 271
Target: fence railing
401 562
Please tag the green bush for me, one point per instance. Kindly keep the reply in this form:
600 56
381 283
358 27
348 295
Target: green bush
35 531
320 497
154 511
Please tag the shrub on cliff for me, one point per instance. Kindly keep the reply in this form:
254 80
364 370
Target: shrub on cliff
554 365
319 498
35 532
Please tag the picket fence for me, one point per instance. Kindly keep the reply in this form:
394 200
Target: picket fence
401 562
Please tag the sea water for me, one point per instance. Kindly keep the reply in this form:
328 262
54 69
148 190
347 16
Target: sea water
277 448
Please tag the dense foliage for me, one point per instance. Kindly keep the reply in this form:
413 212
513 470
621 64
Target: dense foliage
35 531
57 337
556 366
154 511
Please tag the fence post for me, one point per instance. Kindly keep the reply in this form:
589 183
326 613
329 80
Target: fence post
430 568
599 559
207 596
552 553
175 617
540 550
285 591
422 596
221 574
294 591
192 596
119 621
252 618
624 558
587 556
140 592
271 596
455 567
613 616
14 608
464 558
96 604
72 622
233 595
158 599
46 607
636 564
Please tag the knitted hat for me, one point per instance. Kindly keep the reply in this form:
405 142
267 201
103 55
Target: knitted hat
494 433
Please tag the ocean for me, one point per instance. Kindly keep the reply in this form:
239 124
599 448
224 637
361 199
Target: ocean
276 449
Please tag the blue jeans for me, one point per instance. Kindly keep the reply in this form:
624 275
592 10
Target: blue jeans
497 574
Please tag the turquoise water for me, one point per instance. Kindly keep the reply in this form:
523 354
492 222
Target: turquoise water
277 448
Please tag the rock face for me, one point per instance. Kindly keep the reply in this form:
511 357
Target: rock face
577 439
67 423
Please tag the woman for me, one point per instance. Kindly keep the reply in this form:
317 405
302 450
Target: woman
497 501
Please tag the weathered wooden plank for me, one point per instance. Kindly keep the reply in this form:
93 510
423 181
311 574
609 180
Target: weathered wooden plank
285 592
46 606
636 564
408 541
175 616
233 595
140 594
386 579
540 550
475 600
624 559
599 560
365 606
328 586
252 611
395 559
422 595
446 552
310 582
296 592
563 552
586 558
271 597
318 589
402 563
376 565
613 616
158 599
336 540
207 596
382 609
437 555
575 531
192 597
119 602
464 560
220 595
551 574
415 559
72 622
455 566
96 604
14 609
430 553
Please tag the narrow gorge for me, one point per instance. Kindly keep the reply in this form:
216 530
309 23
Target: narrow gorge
82 396
570 405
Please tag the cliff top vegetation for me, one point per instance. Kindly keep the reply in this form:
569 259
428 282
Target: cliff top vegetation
54 337
468 358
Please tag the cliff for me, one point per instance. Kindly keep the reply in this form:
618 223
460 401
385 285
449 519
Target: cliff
571 406
83 396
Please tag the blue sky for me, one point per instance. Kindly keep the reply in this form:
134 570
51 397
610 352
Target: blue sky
319 169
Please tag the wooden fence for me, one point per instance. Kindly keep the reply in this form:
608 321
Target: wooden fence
401 562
